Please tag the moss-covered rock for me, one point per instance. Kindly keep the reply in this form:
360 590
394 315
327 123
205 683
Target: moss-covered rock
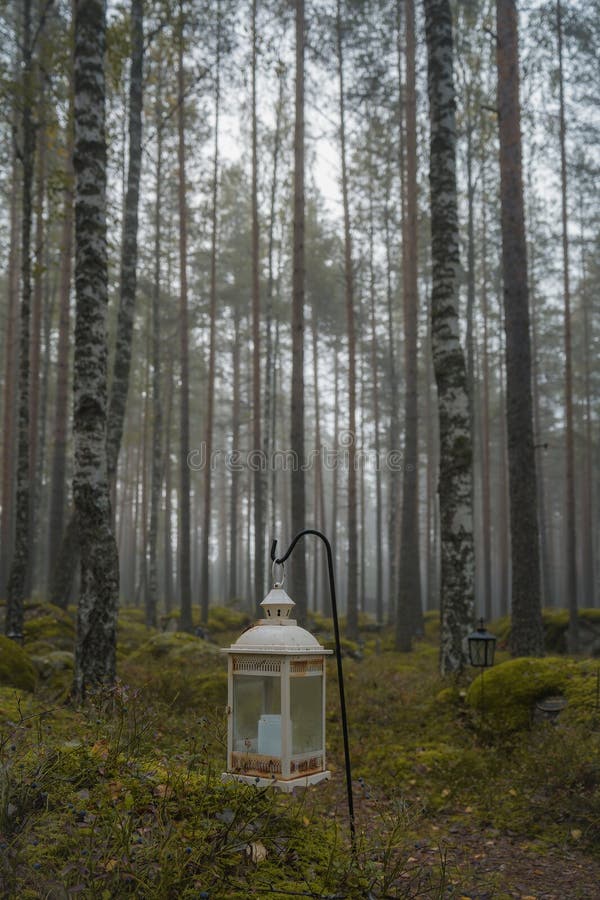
51 624
512 688
16 669
221 618
178 647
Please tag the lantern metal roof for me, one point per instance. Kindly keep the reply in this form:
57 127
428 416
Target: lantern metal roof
277 633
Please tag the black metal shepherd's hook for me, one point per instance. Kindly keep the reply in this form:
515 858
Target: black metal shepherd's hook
338 655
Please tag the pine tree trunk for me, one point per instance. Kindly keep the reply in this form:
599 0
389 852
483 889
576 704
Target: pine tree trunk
259 474
10 386
269 387
409 618
185 572
486 507
95 655
527 633
376 425
298 496
234 542
35 346
394 432
570 508
212 314
129 249
168 536
455 479
20 562
352 592
157 411
588 530
56 519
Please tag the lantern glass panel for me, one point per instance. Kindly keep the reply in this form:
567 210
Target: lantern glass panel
477 647
257 714
306 710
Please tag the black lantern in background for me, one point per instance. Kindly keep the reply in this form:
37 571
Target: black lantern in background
482 646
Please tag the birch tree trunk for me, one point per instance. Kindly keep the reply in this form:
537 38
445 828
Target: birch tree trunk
122 359
20 561
455 479
97 611
298 498
527 633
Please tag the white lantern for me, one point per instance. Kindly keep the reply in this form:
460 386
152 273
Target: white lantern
276 701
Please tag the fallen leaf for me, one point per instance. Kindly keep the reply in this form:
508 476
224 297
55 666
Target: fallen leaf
256 851
575 833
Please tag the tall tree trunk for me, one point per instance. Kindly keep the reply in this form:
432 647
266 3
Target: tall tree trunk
204 564
10 385
352 596
20 563
185 572
270 362
394 430
570 509
234 543
157 412
486 509
298 498
376 422
527 632
128 280
319 575
259 474
35 345
168 536
56 516
587 505
409 618
455 479
95 649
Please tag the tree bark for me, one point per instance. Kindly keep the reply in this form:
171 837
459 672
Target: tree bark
455 479
298 498
527 633
95 648
21 556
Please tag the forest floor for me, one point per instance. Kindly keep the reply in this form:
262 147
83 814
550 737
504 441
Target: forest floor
123 798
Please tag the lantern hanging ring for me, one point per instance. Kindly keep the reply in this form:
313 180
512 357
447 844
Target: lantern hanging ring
278 583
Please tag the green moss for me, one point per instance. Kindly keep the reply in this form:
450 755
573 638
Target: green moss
16 669
131 635
48 623
511 689
221 618
174 647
